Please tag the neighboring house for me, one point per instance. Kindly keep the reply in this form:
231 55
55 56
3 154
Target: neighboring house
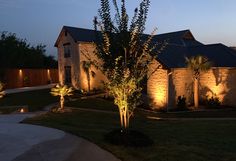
171 80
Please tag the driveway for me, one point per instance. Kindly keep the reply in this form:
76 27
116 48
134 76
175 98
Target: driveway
22 142
26 89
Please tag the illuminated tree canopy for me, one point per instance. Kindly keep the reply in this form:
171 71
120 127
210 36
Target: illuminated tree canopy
126 53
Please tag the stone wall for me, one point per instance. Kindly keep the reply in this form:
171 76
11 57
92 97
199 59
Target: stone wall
157 86
96 82
180 84
219 82
72 61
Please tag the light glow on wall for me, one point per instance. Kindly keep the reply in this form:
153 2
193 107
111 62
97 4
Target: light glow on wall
48 74
20 73
159 98
216 81
217 91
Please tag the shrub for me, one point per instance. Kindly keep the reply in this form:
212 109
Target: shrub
181 102
213 102
129 138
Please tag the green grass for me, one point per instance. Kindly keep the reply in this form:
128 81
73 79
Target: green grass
93 103
8 110
35 100
174 140
226 113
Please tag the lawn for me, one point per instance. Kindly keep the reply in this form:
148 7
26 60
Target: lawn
35 100
93 103
173 140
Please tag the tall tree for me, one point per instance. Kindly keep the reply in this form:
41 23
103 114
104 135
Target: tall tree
18 53
125 53
87 65
197 64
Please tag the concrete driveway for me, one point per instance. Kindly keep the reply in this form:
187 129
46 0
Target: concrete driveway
22 142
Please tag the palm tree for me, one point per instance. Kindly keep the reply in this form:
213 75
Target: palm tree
2 93
62 91
197 64
86 65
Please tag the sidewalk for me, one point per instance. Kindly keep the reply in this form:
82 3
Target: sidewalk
25 89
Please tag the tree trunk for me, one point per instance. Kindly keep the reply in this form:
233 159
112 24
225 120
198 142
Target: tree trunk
121 118
196 93
62 102
125 119
88 77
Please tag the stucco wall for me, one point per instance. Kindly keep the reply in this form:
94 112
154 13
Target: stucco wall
96 82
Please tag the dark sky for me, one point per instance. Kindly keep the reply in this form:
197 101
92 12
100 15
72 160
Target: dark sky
40 21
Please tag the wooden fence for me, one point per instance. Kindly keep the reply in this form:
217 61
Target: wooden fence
16 78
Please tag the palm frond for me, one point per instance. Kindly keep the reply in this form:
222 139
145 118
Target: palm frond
62 90
2 93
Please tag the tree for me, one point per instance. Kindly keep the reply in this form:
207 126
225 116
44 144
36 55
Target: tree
86 65
61 91
125 53
197 64
2 93
18 53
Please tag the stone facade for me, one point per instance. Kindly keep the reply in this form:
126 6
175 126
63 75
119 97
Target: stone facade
78 76
217 82
163 86
99 79
72 61
157 85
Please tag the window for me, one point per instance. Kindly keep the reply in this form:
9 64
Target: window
67 53
67 74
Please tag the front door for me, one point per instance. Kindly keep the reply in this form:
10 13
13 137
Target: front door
68 75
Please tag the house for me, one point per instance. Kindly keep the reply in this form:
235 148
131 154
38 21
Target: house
168 82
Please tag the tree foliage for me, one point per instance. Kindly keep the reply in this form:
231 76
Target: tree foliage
125 52
62 91
18 53
197 64
87 65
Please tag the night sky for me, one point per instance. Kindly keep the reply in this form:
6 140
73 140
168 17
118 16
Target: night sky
40 21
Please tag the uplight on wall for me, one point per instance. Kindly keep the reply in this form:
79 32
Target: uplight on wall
20 73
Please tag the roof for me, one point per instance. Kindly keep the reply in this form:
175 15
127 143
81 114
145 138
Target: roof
181 44
219 54
78 34
176 38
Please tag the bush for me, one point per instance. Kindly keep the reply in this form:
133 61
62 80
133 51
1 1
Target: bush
130 138
213 102
181 102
